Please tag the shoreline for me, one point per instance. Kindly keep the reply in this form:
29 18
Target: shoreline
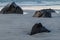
37 7
40 7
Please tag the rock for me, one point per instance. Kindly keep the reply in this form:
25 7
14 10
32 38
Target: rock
12 8
37 14
47 14
38 28
44 13
49 10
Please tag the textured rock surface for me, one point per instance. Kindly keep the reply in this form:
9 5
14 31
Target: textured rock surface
38 28
44 13
12 8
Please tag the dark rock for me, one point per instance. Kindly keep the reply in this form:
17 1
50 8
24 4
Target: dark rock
49 10
38 28
37 14
12 8
47 14
44 13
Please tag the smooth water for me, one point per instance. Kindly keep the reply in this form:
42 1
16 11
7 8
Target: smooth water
18 27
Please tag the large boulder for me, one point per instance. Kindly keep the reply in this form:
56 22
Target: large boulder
12 8
44 13
38 28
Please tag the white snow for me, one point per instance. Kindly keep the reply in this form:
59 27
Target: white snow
18 27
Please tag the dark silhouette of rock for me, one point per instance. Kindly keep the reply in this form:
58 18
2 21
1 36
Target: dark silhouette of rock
12 8
38 28
44 13
48 10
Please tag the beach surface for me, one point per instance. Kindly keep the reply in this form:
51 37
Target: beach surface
18 27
